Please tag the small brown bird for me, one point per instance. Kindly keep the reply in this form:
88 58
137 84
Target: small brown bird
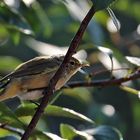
34 74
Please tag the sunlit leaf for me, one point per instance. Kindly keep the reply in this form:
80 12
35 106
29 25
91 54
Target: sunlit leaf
65 112
102 4
53 136
105 50
108 52
70 133
114 19
18 29
4 132
28 2
7 130
133 60
42 135
52 110
12 19
130 90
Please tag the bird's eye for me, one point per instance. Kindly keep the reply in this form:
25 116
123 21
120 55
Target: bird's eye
72 63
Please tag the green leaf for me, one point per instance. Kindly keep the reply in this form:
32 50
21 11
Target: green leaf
102 4
114 19
19 23
130 90
44 21
7 116
8 63
133 60
52 110
12 28
4 35
81 94
45 135
65 112
52 136
16 38
4 132
26 110
7 130
68 132
108 52
106 133
105 50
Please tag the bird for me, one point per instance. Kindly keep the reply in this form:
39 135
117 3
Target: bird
36 74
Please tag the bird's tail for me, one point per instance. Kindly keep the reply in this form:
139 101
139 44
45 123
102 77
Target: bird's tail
4 84
9 90
4 81
2 95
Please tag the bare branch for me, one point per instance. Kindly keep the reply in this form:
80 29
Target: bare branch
50 90
105 83
100 83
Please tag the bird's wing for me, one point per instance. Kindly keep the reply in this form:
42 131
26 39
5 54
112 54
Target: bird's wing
34 66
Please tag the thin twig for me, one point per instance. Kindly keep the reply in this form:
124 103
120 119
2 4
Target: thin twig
50 90
105 83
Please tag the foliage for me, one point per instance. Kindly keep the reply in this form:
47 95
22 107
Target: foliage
33 28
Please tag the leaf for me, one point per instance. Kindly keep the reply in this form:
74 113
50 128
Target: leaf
55 97
16 37
106 133
4 132
65 112
133 60
42 16
80 94
52 110
108 52
4 35
131 90
105 50
7 130
114 19
8 63
53 136
7 116
22 30
68 132
25 110
11 19
102 4
45 135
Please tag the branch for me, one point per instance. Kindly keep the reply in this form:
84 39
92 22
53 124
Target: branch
50 90
99 83
105 83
